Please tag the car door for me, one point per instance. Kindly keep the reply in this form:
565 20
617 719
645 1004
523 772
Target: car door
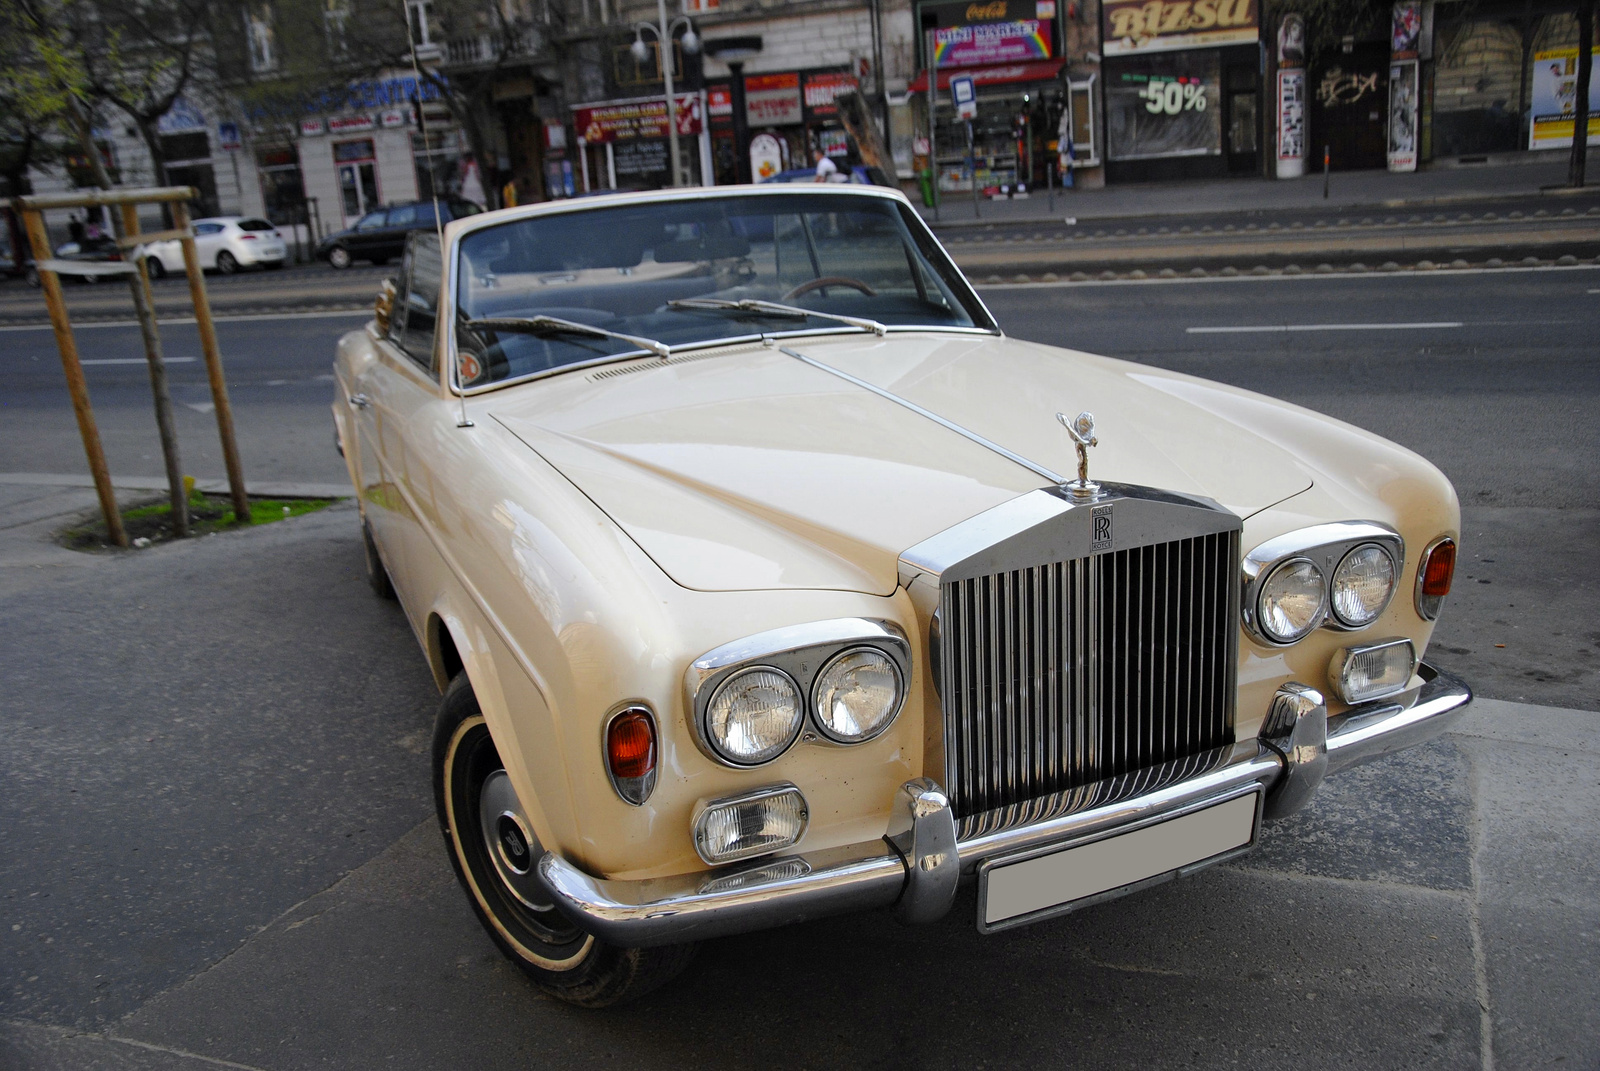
367 233
404 386
392 242
208 242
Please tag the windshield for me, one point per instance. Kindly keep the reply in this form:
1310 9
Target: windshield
623 269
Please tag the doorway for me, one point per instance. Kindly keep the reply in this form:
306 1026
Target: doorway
1241 118
358 178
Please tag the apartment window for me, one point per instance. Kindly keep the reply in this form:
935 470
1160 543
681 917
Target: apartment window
420 15
263 39
335 17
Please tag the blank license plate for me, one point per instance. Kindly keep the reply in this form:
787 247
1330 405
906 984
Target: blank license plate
1013 892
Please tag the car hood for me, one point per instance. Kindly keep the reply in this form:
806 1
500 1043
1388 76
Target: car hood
745 468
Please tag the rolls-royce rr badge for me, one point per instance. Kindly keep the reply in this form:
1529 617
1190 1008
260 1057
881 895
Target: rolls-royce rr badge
1081 428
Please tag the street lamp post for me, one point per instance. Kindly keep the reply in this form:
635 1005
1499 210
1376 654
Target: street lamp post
691 44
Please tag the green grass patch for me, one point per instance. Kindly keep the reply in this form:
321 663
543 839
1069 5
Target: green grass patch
151 523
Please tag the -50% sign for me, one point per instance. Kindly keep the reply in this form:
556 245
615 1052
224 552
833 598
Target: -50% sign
1170 98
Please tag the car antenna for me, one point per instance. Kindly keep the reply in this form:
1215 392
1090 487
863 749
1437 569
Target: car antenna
462 421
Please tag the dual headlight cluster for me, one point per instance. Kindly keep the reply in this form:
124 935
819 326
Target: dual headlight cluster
846 685
1341 575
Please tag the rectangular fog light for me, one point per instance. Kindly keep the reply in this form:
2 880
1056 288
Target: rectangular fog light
1359 674
750 824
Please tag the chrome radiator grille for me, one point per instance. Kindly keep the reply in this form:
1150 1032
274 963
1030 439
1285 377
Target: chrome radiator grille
1057 676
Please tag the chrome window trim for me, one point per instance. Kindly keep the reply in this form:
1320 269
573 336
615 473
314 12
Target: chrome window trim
704 807
461 228
814 713
1428 606
646 784
799 652
1325 546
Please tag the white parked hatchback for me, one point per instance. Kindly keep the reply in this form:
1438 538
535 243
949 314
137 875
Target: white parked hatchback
223 243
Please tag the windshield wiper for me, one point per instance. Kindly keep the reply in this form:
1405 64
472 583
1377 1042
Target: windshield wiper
554 325
773 308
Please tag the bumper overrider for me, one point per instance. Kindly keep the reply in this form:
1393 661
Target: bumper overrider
917 865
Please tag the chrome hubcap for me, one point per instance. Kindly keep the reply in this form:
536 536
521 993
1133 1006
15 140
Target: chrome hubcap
511 843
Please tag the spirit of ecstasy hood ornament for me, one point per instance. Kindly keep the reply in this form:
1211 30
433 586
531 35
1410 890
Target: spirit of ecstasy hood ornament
1081 428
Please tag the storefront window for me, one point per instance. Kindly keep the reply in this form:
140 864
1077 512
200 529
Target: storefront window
1164 105
438 161
282 189
188 163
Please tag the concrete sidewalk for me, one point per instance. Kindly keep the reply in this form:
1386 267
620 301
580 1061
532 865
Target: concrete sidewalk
1435 186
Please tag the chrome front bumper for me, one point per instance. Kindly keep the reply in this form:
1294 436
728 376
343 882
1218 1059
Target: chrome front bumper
916 866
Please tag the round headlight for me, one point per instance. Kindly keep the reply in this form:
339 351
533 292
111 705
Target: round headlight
1291 600
754 716
1362 585
856 695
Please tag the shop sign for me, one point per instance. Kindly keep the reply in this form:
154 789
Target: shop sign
392 118
834 142
772 99
1291 115
631 119
349 124
766 156
1165 106
640 158
310 128
1555 101
991 42
822 88
1165 25
719 102
1403 116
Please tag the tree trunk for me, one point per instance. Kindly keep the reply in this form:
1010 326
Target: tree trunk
1580 118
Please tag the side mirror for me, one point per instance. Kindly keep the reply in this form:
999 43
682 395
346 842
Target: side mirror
383 304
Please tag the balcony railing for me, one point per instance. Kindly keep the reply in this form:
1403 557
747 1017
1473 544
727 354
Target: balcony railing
478 49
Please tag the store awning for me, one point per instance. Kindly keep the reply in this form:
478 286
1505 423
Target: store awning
1032 71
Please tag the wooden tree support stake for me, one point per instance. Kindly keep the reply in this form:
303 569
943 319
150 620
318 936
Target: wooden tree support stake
76 386
213 356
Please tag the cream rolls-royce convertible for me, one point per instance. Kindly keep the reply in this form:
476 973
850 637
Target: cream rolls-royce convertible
765 578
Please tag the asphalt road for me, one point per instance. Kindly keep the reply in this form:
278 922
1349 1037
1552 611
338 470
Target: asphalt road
217 846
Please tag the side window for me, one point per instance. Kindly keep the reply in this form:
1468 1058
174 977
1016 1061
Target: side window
420 294
397 311
402 217
207 228
371 221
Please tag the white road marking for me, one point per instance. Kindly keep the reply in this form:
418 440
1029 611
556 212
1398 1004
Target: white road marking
137 360
1281 328
203 407
242 318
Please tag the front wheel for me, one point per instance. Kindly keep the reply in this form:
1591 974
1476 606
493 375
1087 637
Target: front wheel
226 263
154 266
339 257
496 855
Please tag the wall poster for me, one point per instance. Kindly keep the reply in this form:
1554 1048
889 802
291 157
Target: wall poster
1163 105
1555 100
1403 116
1291 120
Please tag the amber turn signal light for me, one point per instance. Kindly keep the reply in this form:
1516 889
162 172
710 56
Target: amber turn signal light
631 753
1434 573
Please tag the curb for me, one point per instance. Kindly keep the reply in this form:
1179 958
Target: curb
1048 216
256 489
1022 280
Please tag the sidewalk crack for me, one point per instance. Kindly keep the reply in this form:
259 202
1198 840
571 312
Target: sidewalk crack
1480 965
